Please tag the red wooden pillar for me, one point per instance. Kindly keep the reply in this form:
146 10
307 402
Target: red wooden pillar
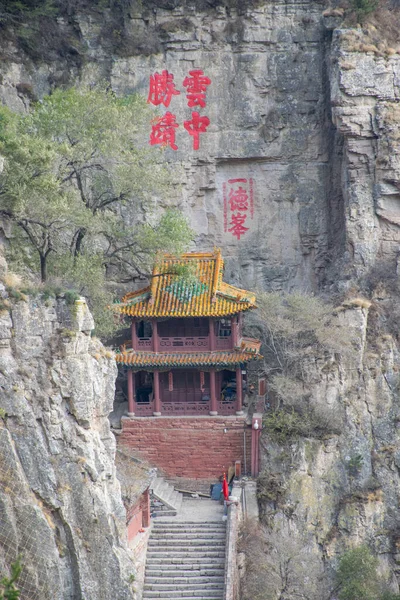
213 394
212 337
131 393
239 391
157 399
133 334
155 335
145 505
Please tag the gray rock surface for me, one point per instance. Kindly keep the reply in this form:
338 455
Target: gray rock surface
337 488
60 500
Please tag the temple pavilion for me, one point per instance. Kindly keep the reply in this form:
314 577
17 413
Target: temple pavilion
186 354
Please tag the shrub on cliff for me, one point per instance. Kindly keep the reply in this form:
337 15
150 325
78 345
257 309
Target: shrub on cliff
357 577
8 590
296 330
77 171
363 8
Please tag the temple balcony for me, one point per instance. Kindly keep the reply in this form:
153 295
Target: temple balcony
181 344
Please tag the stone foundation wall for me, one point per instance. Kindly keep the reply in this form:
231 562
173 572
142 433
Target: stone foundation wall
195 447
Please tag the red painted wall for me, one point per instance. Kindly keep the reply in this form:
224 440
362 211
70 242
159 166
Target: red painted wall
191 447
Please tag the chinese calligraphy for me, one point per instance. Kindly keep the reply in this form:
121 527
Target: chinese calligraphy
196 126
161 91
196 86
238 203
162 88
163 131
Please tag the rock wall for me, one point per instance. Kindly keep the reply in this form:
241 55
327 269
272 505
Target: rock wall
60 501
339 488
268 119
302 110
365 92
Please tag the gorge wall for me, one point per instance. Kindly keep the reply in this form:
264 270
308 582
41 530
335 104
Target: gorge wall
302 110
60 501
308 112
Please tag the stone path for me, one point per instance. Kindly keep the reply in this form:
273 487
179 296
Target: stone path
186 554
198 509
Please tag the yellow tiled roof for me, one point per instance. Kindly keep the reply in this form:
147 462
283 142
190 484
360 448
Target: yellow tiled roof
168 296
181 359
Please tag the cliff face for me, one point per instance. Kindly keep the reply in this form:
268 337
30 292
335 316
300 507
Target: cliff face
304 112
365 91
307 114
60 501
336 487
267 109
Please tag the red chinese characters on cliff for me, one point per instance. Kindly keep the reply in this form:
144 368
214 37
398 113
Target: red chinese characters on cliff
196 88
163 131
238 206
196 126
161 91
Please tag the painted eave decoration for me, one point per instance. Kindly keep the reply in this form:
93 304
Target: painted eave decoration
143 360
168 296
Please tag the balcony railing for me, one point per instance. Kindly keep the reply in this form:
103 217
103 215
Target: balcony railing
182 344
144 344
223 343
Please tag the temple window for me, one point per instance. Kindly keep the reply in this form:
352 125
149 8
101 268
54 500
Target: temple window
224 327
144 329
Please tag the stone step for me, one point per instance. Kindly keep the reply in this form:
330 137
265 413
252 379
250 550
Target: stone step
149 595
180 548
190 579
183 587
195 555
165 492
205 585
157 558
194 533
187 570
159 528
186 541
197 523
164 512
199 592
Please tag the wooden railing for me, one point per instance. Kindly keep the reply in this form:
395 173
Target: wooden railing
182 344
144 344
223 343
144 409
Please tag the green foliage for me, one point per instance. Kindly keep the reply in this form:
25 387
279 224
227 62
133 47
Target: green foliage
357 577
363 8
77 170
8 591
354 465
287 423
15 10
283 424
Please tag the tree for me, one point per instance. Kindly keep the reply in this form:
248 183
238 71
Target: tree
357 577
294 328
77 171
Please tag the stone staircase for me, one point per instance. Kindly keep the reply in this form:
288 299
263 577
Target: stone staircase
185 561
165 500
